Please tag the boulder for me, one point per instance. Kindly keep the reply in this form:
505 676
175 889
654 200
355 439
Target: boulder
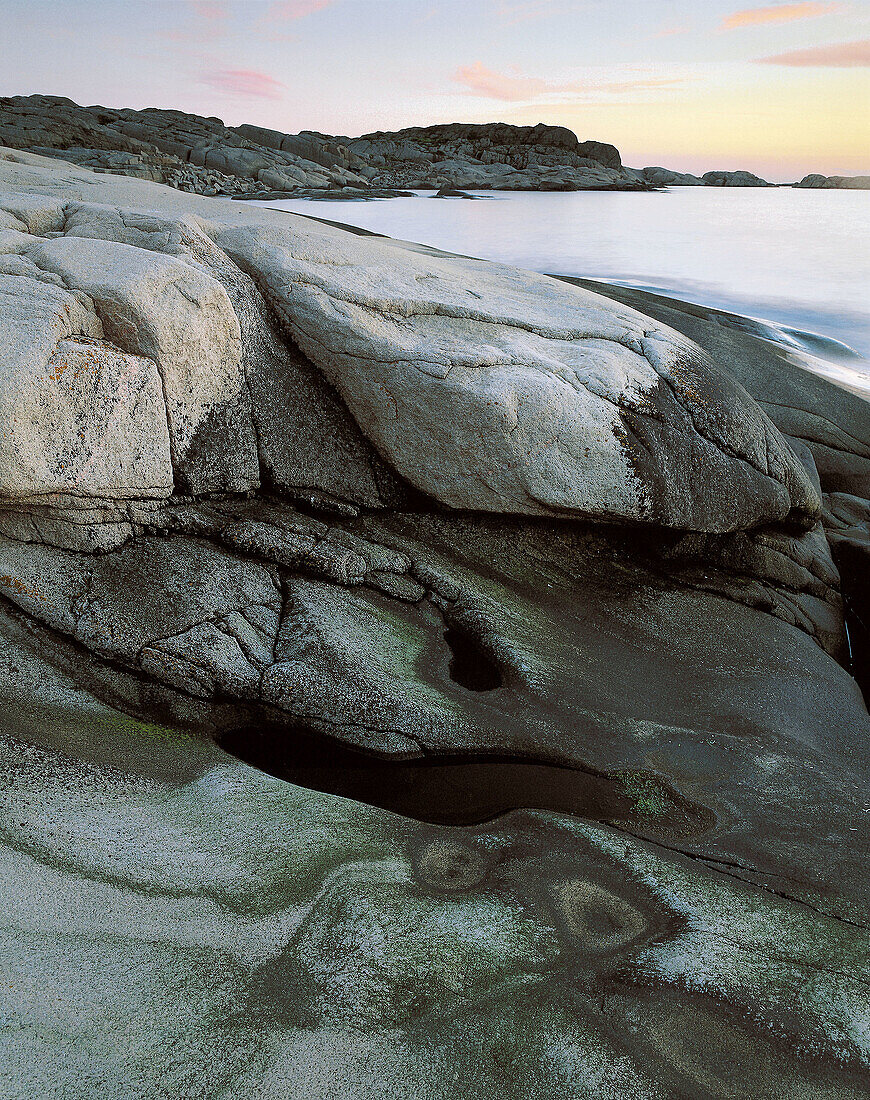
600 151
499 391
84 421
734 179
182 320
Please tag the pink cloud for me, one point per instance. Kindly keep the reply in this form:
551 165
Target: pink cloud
207 27
844 55
668 32
482 81
513 87
778 13
244 82
294 9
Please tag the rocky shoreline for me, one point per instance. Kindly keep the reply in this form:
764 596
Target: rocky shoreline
203 156
264 483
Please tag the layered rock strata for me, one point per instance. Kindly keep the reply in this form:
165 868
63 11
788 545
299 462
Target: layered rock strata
262 479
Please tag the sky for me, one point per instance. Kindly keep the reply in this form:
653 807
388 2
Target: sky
780 88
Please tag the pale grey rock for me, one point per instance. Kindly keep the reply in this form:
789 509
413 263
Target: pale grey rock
37 214
81 417
495 390
173 313
577 406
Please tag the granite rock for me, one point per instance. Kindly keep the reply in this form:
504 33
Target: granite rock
646 615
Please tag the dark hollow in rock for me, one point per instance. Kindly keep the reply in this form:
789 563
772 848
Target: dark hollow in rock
463 789
470 667
852 562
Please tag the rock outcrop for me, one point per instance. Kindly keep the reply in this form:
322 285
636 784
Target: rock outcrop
848 183
664 177
187 151
492 156
734 179
204 156
266 484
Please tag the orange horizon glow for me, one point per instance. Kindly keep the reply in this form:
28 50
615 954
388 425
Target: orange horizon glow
699 129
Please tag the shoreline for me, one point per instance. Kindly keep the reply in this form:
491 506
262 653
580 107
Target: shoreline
814 352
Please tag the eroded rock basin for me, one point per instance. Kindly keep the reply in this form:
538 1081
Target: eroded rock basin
465 789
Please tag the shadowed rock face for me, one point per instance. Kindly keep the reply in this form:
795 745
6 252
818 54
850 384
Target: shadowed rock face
187 151
204 156
363 515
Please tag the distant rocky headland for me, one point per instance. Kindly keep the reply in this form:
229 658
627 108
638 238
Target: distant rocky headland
202 155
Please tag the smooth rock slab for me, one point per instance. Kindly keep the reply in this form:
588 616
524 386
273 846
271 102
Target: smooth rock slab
177 924
494 389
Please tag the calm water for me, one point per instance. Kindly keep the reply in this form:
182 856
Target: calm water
798 258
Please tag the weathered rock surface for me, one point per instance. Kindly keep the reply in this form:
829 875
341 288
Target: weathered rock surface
831 421
205 156
493 156
268 482
492 389
187 151
560 406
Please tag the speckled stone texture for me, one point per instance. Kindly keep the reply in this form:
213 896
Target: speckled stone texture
263 481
